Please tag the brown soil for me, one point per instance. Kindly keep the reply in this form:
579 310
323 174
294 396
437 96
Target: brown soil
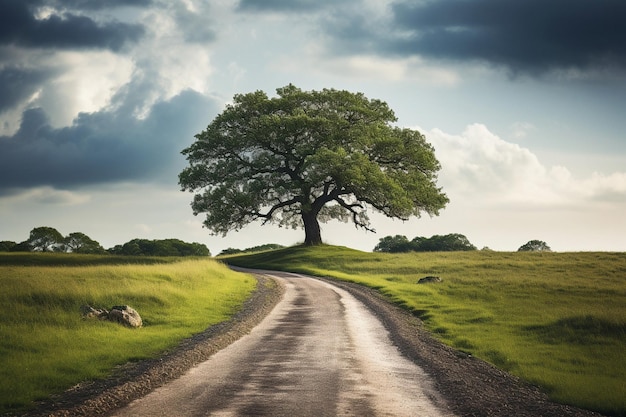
470 386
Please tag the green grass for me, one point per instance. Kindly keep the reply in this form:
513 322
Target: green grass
557 320
67 259
45 345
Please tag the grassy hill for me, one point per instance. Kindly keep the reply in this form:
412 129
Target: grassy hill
557 320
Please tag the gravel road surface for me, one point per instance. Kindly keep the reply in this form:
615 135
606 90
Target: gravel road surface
320 352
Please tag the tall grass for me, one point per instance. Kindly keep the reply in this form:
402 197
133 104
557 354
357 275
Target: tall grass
45 345
557 320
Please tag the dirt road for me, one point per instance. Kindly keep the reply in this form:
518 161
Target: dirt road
320 352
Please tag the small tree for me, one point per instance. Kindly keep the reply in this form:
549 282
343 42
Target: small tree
535 246
78 242
45 239
307 157
393 244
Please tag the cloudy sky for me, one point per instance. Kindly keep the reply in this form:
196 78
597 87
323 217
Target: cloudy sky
523 100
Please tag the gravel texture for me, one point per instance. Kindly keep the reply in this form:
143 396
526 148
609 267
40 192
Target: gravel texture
471 387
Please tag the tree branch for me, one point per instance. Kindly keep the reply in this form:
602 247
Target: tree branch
355 213
270 214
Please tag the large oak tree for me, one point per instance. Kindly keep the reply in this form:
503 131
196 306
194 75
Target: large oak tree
305 157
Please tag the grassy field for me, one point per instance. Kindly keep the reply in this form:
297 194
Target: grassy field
45 345
557 320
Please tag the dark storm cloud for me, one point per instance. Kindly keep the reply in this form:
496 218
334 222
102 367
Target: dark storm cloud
523 35
103 147
100 4
17 84
20 26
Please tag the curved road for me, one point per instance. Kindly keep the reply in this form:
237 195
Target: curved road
320 352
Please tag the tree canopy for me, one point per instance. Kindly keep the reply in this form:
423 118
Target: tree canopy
535 246
7 245
393 244
306 157
443 243
160 247
45 239
78 242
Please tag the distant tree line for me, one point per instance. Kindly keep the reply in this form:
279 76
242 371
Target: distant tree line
260 248
443 243
436 243
164 247
48 239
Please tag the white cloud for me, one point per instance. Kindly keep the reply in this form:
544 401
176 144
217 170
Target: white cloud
83 81
480 167
477 161
86 83
609 188
162 64
178 64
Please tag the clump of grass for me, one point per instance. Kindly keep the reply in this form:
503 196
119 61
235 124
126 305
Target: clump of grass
557 320
45 345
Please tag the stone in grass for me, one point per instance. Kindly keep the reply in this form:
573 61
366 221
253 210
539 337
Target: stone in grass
429 280
89 312
125 315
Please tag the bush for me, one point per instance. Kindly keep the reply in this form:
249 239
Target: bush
7 245
164 247
436 243
260 248
535 246
394 244
443 243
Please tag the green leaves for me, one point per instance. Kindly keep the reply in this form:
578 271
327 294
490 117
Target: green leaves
320 155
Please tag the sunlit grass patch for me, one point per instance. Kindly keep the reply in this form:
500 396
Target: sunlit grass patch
46 346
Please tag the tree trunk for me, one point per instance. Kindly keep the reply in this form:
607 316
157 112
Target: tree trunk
312 231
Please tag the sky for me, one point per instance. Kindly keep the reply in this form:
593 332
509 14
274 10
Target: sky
524 102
